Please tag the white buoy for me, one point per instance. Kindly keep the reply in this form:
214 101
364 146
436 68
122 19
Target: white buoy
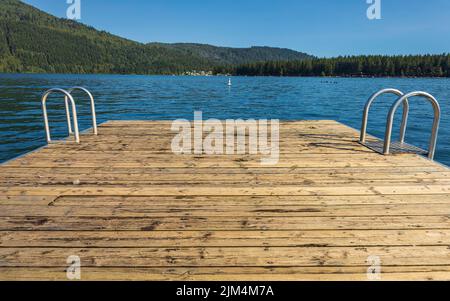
229 82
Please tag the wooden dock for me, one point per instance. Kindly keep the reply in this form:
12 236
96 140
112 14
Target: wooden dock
133 210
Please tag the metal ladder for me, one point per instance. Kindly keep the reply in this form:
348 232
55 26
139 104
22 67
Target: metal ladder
387 147
68 98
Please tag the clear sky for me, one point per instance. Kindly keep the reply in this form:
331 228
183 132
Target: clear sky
319 27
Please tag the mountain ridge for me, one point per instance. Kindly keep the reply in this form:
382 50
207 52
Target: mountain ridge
34 41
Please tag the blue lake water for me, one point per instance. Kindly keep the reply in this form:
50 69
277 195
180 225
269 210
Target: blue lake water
171 97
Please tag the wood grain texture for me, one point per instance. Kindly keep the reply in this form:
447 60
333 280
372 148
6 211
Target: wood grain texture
133 210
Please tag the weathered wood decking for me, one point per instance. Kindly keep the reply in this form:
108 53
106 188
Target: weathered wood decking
133 210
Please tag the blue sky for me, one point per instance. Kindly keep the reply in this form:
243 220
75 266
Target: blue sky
320 27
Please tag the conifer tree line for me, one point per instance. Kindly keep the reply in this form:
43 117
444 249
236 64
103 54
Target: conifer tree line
372 66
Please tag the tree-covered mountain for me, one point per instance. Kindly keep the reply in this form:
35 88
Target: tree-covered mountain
34 41
237 56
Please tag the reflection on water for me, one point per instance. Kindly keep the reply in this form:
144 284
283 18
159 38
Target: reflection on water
173 97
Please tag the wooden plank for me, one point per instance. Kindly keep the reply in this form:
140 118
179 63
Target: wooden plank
232 191
416 273
192 171
227 257
219 223
254 181
181 210
205 201
281 201
218 163
183 239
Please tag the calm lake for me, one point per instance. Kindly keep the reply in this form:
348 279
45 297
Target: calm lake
172 97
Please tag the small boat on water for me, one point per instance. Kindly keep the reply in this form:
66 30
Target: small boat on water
229 82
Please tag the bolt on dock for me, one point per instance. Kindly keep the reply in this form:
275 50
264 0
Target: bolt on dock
131 209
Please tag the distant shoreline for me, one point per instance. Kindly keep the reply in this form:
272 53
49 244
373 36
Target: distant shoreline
224 75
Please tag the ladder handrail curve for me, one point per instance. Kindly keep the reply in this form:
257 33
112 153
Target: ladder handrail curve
368 106
74 110
435 129
91 98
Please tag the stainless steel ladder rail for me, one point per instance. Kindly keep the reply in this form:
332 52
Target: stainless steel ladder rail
91 98
368 105
436 122
74 110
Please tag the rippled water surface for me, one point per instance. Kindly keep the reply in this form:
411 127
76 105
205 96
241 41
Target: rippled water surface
172 97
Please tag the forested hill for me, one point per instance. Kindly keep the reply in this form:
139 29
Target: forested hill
236 56
34 41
